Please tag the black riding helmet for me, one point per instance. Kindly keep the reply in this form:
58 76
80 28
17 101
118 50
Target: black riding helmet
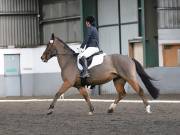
91 20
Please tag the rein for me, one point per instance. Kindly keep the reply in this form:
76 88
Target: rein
73 53
66 46
67 54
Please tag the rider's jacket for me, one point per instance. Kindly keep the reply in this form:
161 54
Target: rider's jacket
92 38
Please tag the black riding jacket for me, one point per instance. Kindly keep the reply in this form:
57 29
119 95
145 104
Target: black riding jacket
92 38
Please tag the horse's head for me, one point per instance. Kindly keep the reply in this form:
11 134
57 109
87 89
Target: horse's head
50 50
56 47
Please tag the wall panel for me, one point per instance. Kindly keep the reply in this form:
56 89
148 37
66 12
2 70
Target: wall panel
61 17
107 12
109 39
18 23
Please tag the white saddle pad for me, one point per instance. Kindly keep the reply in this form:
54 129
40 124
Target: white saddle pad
96 60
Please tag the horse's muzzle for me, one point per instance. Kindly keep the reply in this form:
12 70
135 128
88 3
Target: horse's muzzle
43 59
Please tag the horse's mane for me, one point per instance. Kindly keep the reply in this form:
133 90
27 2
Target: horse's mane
65 45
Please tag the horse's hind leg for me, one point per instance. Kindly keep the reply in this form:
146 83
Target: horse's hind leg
135 85
119 84
84 93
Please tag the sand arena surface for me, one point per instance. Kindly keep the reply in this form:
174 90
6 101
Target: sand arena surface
70 118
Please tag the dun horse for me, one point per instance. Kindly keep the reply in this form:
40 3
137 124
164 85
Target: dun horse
116 67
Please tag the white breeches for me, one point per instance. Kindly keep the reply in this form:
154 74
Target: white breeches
88 52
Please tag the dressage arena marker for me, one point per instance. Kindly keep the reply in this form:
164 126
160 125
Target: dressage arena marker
93 100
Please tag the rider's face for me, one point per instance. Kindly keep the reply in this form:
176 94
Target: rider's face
88 24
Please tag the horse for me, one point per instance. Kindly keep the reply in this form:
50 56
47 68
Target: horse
116 67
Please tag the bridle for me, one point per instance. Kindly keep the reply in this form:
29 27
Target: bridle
57 54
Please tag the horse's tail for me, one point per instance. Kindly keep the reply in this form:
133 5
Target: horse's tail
154 92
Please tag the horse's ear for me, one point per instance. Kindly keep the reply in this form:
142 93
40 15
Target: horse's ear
52 36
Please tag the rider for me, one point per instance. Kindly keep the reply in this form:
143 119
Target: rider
89 46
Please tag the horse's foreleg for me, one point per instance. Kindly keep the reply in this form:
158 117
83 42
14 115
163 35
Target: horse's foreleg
119 84
64 87
140 92
84 93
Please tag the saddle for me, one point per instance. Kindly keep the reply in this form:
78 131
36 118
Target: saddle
92 61
89 60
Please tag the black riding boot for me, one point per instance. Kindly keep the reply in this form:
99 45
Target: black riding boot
84 72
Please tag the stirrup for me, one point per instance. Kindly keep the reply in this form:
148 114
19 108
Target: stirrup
85 75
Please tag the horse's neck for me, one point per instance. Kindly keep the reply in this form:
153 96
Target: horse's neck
65 57
66 60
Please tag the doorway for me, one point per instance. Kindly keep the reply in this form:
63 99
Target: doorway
171 55
12 74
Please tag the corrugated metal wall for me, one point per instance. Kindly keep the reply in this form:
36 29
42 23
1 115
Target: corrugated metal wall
168 14
19 23
61 17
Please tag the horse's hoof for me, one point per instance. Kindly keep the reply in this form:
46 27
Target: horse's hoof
111 108
148 109
110 111
90 113
50 111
